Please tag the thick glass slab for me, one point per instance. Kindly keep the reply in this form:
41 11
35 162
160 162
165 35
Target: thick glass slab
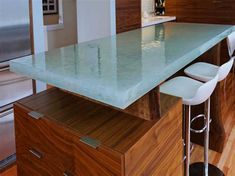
120 69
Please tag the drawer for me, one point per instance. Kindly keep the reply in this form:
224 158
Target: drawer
96 162
42 145
31 161
51 149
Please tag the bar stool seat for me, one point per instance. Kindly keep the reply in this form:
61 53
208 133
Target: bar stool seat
204 71
183 87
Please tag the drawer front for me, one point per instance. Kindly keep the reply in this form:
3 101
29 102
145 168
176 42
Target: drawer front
38 163
41 146
96 162
34 162
50 149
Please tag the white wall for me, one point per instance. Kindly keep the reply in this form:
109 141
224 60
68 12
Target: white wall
38 34
95 19
67 35
147 6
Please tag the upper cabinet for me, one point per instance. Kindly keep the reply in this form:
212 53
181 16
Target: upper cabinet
128 15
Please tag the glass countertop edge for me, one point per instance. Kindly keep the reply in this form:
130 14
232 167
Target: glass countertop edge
193 55
30 74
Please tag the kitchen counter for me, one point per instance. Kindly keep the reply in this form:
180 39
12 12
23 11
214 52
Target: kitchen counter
153 20
120 69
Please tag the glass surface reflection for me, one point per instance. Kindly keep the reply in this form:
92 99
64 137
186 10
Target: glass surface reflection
120 69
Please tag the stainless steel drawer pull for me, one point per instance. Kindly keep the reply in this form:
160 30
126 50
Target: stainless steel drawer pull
91 142
36 153
35 115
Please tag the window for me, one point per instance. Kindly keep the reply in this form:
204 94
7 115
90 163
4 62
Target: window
50 7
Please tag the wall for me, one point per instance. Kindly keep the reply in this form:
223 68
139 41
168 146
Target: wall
147 6
51 19
95 19
38 35
68 34
208 11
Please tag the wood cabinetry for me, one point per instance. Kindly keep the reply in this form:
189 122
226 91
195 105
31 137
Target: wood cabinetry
128 15
60 134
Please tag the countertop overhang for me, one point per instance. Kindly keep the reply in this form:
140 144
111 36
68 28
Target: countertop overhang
120 69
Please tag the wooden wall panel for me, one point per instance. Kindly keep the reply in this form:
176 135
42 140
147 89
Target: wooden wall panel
128 15
208 11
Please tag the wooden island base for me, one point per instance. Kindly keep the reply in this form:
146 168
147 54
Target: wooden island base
73 136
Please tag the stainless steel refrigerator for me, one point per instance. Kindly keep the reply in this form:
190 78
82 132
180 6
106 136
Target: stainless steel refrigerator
14 43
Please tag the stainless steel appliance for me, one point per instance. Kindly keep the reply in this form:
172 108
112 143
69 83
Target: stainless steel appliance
14 43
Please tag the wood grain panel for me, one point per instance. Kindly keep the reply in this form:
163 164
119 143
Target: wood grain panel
147 107
128 15
60 149
164 144
42 137
210 11
67 118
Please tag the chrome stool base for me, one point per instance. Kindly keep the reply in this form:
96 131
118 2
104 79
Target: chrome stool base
197 169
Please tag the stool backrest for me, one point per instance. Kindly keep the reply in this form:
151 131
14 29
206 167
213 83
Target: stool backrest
225 69
204 92
231 44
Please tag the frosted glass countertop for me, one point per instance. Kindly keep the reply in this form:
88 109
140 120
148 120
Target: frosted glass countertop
120 69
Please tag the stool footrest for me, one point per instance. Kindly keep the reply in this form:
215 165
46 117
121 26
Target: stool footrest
203 128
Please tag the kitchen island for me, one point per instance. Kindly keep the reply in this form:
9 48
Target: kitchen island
109 99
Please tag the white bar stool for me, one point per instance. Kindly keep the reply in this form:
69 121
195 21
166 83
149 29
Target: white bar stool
231 46
193 93
205 72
